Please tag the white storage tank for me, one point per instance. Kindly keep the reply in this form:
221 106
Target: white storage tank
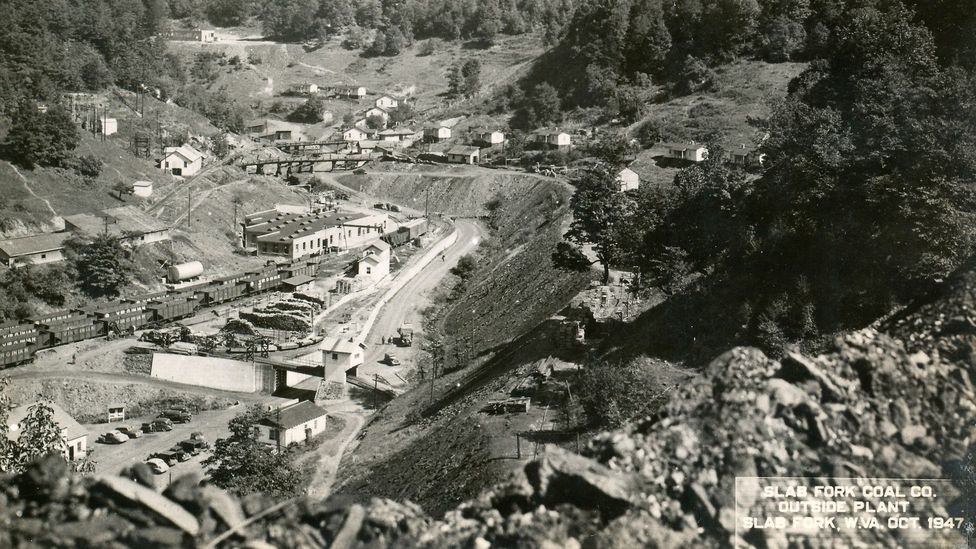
184 271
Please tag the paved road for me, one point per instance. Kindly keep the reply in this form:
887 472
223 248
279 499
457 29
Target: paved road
405 306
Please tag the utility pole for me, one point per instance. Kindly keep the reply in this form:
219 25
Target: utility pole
427 203
188 205
376 389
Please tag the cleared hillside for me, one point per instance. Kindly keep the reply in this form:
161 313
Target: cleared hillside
457 452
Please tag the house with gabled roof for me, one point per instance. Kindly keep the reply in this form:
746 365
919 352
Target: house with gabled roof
690 151
183 160
386 102
75 436
33 250
462 154
290 424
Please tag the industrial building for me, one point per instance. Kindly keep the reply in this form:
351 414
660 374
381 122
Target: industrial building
33 250
294 235
131 224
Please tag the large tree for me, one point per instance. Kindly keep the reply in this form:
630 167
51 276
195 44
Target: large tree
42 138
600 214
243 465
102 264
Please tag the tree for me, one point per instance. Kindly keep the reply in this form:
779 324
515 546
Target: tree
375 122
310 112
243 465
489 21
37 435
122 188
42 139
541 107
102 264
89 166
600 212
228 13
464 78
291 20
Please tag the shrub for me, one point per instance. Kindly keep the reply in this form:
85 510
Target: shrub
88 166
612 394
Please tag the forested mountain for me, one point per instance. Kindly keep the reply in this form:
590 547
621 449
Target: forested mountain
613 43
866 198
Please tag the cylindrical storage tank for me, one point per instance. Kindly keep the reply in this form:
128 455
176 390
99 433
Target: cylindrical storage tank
184 271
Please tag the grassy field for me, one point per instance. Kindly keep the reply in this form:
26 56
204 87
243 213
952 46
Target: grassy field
744 92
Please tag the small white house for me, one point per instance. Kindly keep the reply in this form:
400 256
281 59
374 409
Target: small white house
353 92
307 88
143 189
434 134
686 151
341 355
747 156
489 137
75 436
386 102
461 154
397 134
184 160
108 126
553 139
354 134
290 424
628 180
380 112
375 263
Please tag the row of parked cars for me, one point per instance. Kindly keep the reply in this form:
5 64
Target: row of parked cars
160 462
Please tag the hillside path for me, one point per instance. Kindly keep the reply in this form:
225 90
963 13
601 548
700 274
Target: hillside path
30 190
328 464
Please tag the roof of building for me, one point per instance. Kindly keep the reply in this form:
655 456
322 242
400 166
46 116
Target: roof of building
280 226
743 150
347 87
73 429
435 127
293 416
379 245
463 150
368 144
185 151
121 220
39 243
549 132
375 108
339 345
683 146
298 280
142 183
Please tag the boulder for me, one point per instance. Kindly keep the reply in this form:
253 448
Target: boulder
563 477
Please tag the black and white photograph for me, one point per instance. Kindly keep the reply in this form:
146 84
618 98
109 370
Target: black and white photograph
475 274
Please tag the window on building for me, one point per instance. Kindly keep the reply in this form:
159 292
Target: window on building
43 256
335 356
369 270
359 231
272 434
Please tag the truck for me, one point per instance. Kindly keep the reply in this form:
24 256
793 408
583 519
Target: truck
406 336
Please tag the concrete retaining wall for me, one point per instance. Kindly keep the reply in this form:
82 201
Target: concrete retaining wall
216 373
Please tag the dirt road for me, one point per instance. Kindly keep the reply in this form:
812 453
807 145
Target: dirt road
328 464
406 305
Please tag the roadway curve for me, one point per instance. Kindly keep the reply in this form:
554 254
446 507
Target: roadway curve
406 304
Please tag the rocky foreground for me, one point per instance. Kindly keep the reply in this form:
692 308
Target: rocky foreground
868 408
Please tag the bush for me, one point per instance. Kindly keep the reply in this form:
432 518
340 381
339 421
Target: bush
89 166
612 394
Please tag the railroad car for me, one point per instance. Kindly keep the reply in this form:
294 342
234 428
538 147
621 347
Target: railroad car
173 307
221 293
264 280
125 316
70 330
17 354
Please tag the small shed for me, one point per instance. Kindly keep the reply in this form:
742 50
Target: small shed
434 134
464 155
628 180
143 189
108 126
297 283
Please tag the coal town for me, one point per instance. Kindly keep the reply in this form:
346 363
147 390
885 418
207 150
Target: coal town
556 274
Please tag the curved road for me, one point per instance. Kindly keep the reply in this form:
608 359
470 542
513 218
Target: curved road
405 306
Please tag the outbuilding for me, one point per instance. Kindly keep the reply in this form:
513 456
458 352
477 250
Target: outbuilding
142 189
291 424
628 180
33 250
433 134
461 154
183 160
75 436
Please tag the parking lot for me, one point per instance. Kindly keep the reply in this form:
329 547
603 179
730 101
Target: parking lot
111 458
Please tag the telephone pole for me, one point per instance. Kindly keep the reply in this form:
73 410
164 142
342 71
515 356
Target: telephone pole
189 205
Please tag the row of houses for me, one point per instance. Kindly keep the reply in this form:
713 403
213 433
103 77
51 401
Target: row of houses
129 223
743 155
296 235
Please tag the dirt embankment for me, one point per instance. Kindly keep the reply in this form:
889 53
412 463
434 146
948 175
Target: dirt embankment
441 460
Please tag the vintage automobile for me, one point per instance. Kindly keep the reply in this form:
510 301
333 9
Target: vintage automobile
113 437
157 466
128 431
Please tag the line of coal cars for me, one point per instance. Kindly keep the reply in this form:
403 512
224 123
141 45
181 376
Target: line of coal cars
20 341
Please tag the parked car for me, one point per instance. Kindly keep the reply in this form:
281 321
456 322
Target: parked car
181 454
157 466
113 437
157 425
178 416
193 447
391 359
129 431
168 457
180 407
